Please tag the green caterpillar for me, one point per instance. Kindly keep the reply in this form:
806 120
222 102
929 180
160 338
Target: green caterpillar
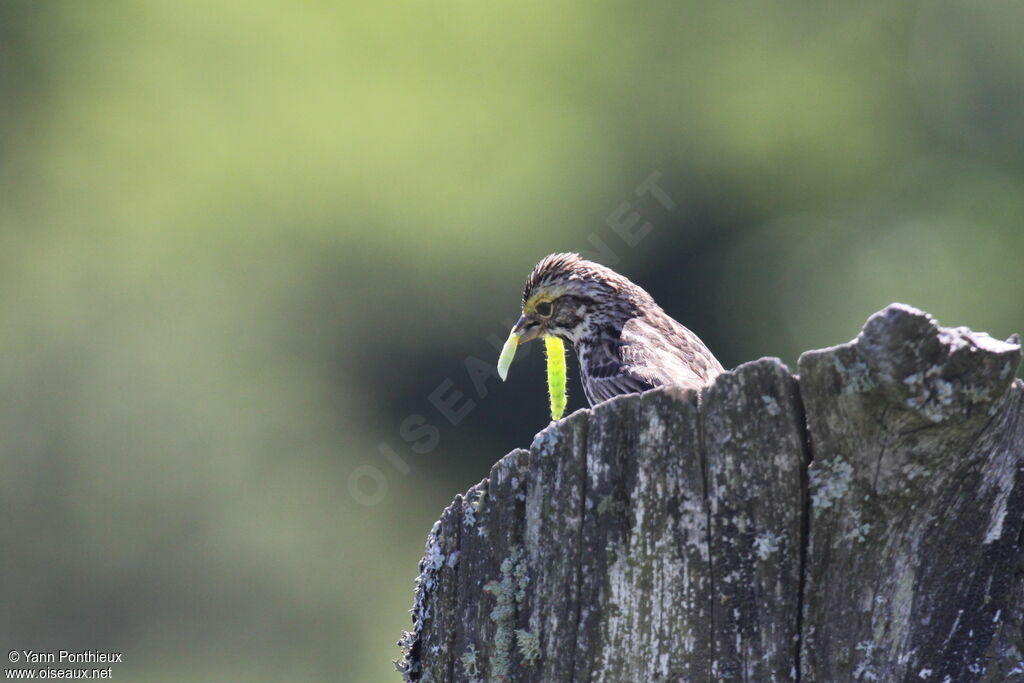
555 350
508 352
556 375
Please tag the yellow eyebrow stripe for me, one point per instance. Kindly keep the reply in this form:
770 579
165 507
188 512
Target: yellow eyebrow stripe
531 305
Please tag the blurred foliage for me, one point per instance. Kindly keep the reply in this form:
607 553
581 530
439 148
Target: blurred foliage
240 243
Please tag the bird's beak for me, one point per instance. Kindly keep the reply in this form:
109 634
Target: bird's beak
526 329
523 331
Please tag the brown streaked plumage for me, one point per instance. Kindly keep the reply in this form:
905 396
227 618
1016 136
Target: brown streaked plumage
624 342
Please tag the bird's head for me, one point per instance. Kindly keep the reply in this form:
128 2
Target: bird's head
568 297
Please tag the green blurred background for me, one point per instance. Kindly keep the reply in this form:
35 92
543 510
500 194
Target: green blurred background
242 243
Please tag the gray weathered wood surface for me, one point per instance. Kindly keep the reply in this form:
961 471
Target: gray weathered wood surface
861 522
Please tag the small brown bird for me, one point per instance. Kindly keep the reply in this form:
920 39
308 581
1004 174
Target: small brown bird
624 342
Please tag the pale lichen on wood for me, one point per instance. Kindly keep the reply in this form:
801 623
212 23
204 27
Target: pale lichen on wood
862 522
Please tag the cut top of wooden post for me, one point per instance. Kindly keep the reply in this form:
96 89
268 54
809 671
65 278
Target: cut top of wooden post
862 522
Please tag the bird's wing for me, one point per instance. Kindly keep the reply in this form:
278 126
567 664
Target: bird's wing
662 351
648 353
606 375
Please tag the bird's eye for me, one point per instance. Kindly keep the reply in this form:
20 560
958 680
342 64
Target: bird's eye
544 309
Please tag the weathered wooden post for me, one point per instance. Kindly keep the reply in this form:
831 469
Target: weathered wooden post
862 522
